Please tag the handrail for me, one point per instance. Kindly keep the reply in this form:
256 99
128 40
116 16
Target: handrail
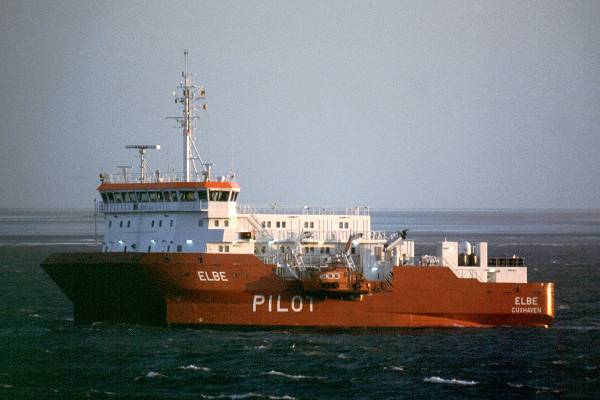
468 272
302 210
147 207
164 177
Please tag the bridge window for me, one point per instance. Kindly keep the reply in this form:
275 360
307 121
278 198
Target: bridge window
219 195
111 198
120 224
306 224
109 224
234 196
226 248
167 196
202 195
131 197
220 248
104 197
179 248
263 224
159 196
268 224
153 196
187 196
143 197
173 196
118 198
312 224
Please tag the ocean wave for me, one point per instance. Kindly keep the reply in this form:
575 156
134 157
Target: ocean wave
343 356
154 374
192 367
6 386
249 395
283 374
579 328
396 368
453 381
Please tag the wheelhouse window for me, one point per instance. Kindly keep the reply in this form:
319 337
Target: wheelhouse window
111 198
174 196
104 197
131 197
234 196
202 195
187 196
143 197
219 195
167 196
153 196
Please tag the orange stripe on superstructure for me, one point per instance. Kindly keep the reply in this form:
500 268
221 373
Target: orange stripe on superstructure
167 185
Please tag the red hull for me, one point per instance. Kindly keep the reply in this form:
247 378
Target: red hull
214 289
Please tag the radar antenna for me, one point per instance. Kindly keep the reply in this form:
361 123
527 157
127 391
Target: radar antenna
187 94
143 163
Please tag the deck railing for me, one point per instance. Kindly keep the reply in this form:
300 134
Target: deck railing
148 207
302 210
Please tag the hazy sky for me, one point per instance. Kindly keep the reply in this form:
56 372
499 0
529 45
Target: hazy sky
391 104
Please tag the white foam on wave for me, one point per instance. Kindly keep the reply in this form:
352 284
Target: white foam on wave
453 381
283 374
396 368
154 374
515 385
6 386
249 395
193 367
343 356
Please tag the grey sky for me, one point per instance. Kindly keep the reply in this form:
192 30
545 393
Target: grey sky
390 104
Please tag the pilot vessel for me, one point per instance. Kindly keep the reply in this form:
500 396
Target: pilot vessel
179 249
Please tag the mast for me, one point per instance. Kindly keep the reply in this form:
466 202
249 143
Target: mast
187 96
188 127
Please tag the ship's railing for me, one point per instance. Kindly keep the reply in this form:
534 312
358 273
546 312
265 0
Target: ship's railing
467 272
301 210
308 260
146 207
336 235
165 177
506 261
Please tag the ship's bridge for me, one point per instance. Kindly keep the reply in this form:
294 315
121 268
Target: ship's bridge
216 197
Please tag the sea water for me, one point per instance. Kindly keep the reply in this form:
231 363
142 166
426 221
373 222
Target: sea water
43 354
